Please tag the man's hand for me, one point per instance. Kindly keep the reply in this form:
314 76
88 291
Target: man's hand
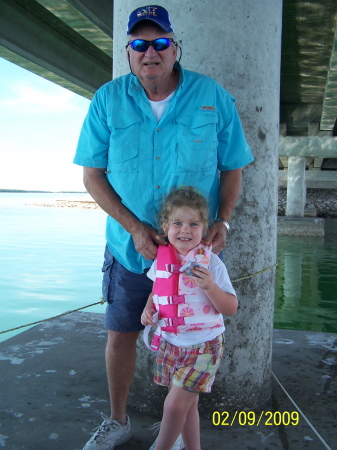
216 236
146 240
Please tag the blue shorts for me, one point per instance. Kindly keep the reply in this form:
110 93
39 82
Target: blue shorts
126 293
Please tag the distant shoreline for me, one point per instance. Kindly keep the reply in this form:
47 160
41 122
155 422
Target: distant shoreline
319 202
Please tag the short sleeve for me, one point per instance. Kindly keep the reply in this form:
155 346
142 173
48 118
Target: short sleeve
233 149
220 275
93 144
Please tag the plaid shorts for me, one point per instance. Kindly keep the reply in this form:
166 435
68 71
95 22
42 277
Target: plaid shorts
191 368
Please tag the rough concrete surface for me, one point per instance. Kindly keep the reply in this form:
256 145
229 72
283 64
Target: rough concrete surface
53 388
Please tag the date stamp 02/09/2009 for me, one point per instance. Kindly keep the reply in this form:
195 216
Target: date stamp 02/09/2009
276 418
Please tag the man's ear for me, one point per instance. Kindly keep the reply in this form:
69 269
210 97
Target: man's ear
175 50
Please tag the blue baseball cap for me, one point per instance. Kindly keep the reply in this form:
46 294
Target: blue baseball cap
153 13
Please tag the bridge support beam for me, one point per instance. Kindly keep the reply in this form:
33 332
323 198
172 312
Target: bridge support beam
296 191
297 179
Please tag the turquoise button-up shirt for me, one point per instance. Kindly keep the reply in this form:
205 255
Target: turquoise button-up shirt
199 134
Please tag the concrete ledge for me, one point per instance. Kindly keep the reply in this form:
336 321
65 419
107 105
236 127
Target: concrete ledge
300 226
54 388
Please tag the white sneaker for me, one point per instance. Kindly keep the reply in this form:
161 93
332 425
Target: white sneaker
178 445
110 434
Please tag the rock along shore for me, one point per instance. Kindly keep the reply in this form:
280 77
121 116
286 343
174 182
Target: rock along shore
319 202
83 204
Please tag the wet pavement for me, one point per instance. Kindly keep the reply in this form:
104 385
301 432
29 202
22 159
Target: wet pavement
53 388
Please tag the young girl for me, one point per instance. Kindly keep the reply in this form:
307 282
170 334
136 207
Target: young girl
191 291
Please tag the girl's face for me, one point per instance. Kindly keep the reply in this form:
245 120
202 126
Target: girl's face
185 229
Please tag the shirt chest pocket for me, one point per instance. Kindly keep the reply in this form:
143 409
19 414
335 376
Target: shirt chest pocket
195 149
124 144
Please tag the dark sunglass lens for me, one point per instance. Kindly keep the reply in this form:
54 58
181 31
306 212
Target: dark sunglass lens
139 45
161 44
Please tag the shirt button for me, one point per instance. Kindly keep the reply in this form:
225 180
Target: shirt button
157 157
157 187
158 129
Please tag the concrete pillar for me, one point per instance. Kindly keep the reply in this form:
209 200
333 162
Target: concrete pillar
239 44
296 191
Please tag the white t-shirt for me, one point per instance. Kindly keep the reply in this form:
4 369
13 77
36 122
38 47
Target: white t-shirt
221 278
158 108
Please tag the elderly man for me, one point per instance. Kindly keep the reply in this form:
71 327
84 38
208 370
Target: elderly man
146 133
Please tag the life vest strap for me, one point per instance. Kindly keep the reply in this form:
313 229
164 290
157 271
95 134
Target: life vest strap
163 274
175 299
169 299
176 321
173 268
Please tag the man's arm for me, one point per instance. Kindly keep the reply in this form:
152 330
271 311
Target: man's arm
145 237
230 186
229 191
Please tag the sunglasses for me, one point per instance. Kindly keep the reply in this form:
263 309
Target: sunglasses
141 45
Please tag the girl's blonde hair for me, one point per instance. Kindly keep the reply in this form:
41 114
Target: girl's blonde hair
186 196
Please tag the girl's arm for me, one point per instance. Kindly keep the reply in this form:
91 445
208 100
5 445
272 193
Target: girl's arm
148 312
224 302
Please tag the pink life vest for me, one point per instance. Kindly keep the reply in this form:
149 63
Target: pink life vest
176 296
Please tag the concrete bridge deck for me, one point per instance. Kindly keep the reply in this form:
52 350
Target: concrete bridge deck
54 387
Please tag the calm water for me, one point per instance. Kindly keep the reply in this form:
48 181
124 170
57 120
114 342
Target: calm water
50 261
306 281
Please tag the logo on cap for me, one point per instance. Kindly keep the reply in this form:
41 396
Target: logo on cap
149 10
154 13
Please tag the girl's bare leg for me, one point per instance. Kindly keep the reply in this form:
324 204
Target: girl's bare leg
179 408
191 430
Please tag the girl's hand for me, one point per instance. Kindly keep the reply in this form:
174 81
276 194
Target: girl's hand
146 318
204 278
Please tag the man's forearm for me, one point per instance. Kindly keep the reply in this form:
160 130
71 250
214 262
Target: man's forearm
145 237
230 186
101 191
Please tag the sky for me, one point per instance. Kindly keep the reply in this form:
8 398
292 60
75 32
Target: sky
40 124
